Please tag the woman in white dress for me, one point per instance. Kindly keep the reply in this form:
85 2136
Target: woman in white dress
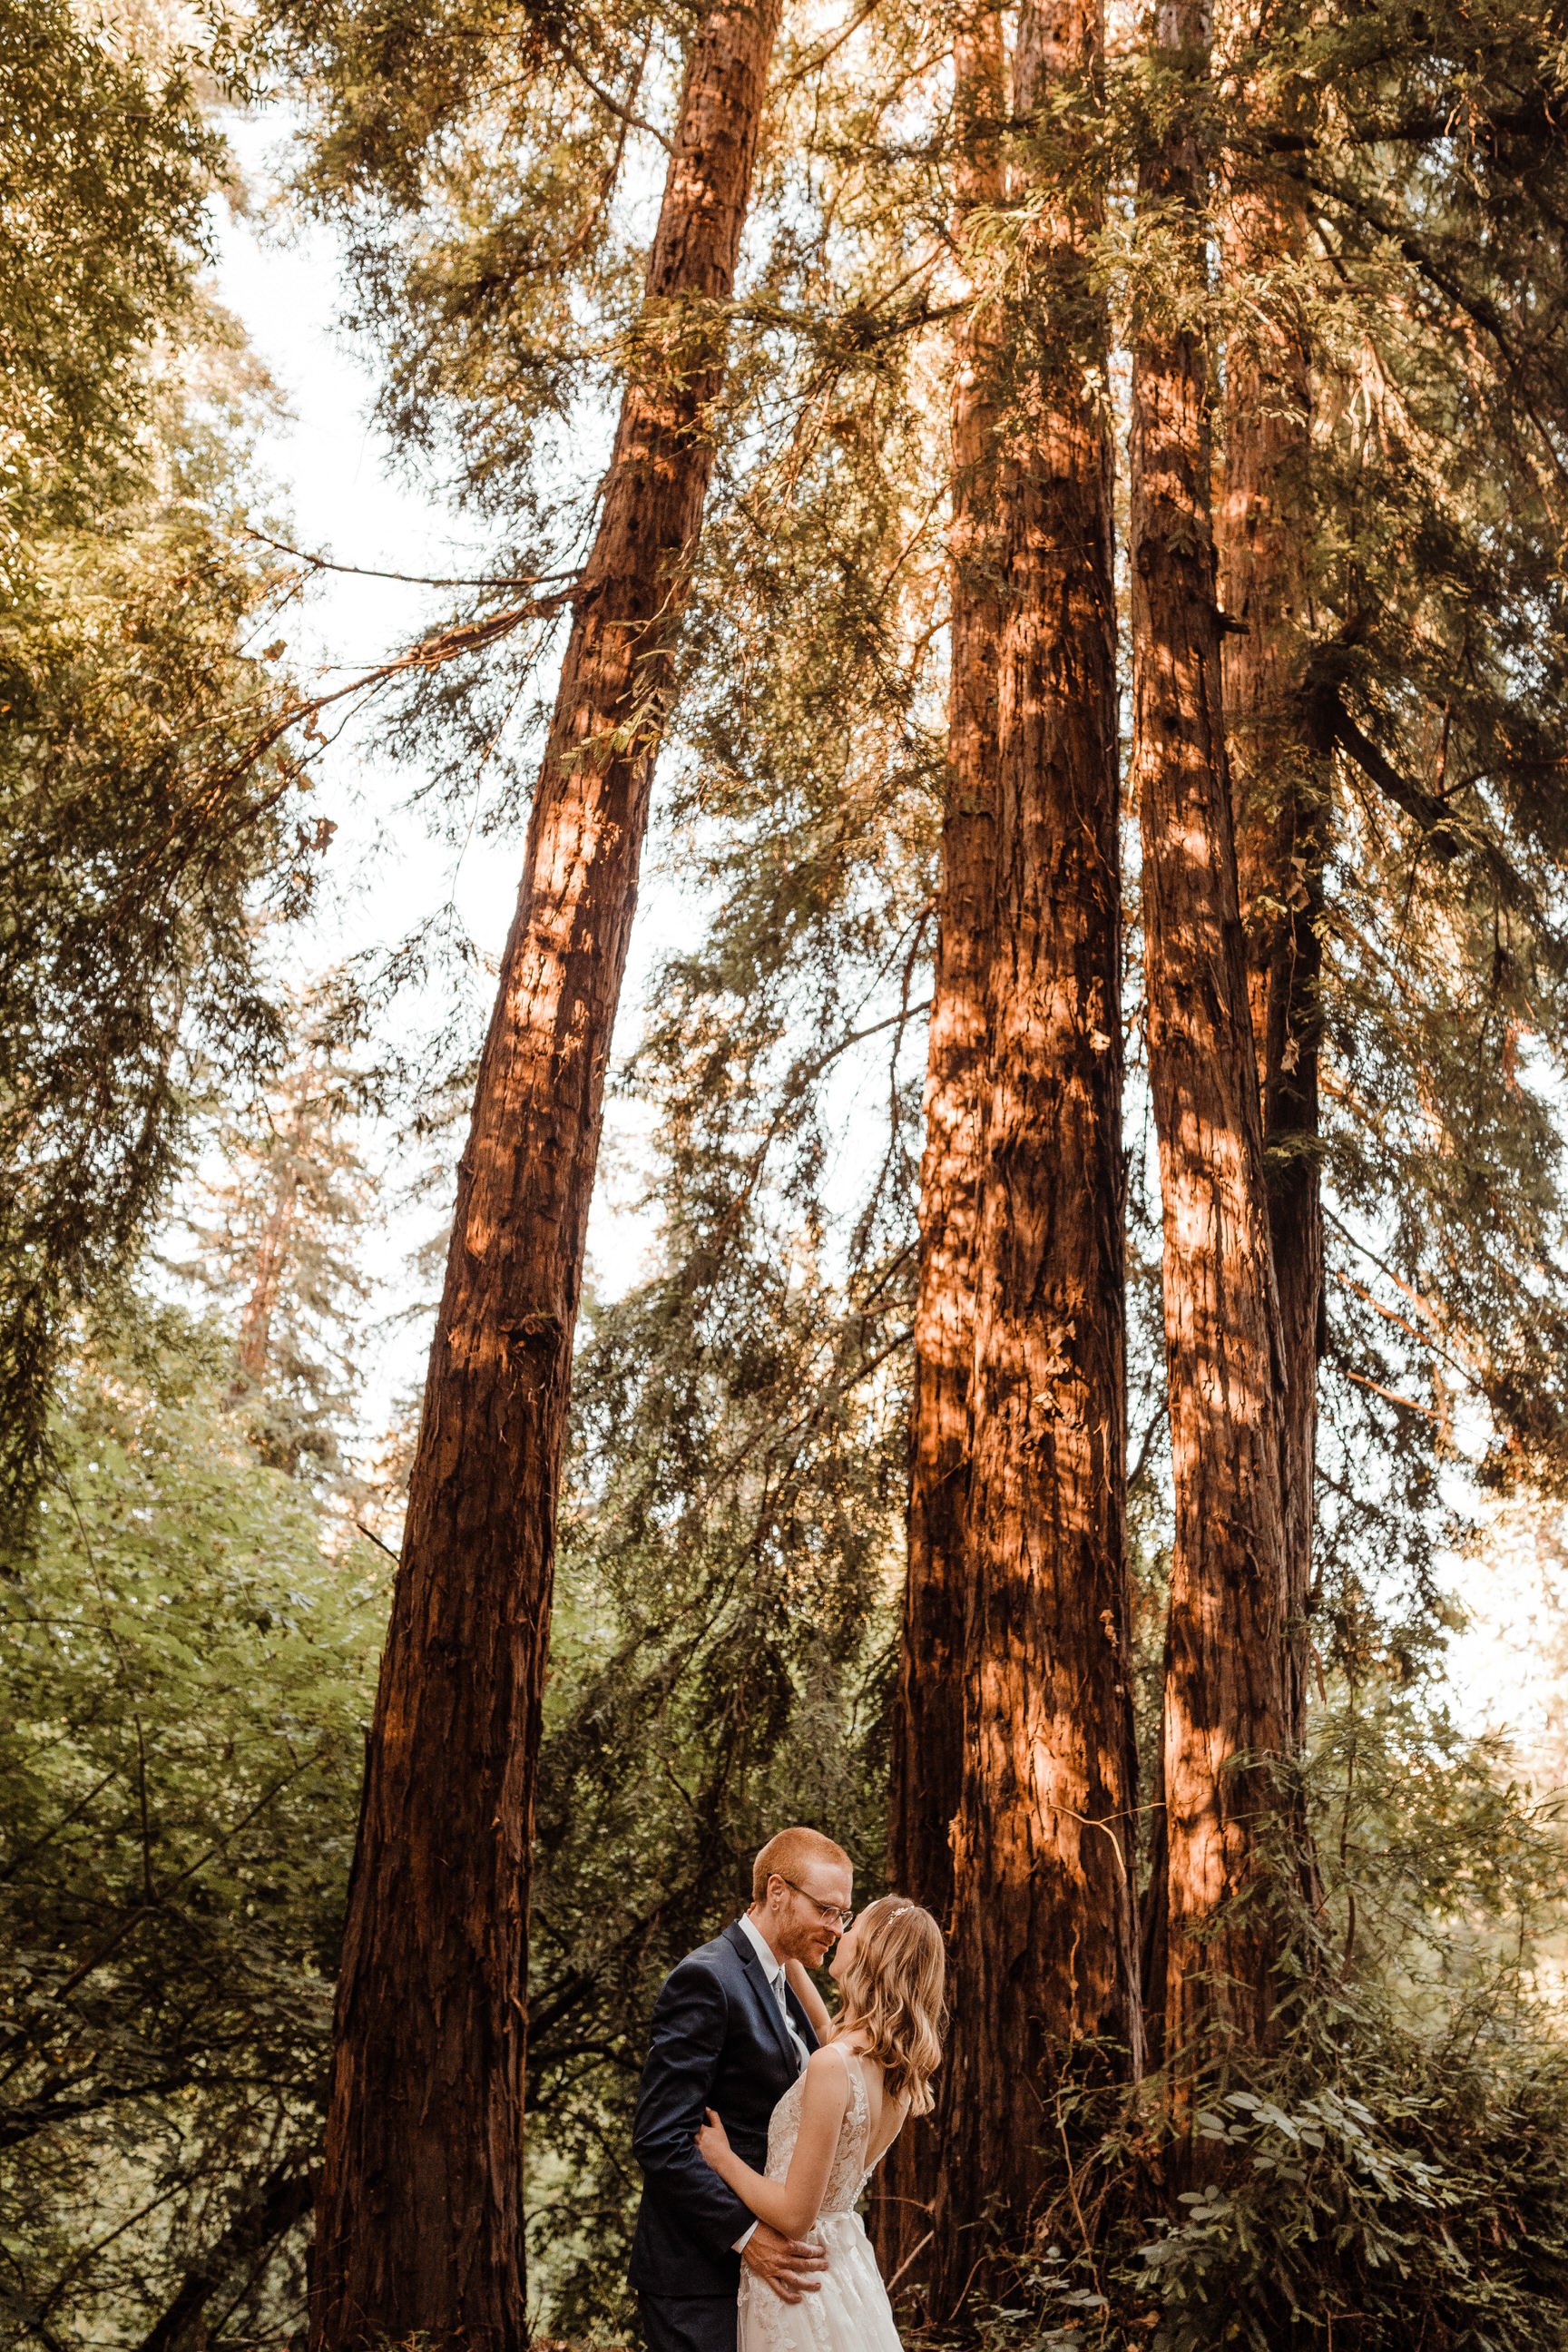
836 2123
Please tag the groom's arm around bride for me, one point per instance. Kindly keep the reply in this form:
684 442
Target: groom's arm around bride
728 2034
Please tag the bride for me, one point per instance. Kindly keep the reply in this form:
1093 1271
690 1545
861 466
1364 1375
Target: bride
836 2123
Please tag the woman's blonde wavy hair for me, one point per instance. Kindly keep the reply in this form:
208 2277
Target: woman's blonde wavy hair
892 1988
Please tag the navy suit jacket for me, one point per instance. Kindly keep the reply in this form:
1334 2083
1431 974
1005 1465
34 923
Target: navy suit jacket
717 2041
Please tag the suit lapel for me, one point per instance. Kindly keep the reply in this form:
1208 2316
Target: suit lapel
762 1993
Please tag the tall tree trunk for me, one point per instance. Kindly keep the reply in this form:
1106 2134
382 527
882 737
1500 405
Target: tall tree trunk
1280 789
1044 1946
928 1714
420 2218
1224 1682
254 1353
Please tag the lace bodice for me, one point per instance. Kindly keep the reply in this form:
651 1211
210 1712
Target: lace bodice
850 2171
850 2311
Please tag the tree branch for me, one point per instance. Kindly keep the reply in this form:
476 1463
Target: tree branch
284 2198
1430 812
1533 114
413 579
1445 835
622 113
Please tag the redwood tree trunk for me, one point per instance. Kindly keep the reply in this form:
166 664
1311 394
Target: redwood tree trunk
420 2217
1224 1682
927 1732
927 1742
1045 1969
1279 786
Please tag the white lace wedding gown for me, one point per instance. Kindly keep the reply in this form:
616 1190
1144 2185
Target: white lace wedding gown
850 2311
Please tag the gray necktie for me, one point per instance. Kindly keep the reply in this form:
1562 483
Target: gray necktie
778 1985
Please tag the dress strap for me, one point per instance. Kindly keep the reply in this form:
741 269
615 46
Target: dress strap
859 2096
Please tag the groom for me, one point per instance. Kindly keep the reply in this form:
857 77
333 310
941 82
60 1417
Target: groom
729 2033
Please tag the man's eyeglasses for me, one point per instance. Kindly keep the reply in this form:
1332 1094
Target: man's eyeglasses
832 1915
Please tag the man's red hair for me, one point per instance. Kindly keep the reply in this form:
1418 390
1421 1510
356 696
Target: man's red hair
791 1853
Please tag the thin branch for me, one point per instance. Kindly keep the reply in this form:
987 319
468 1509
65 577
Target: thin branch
814 64
76 1811
1429 812
414 579
1435 122
284 2200
1392 1395
103 1951
613 105
1402 1323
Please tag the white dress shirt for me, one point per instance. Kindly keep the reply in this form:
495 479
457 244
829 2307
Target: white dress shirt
773 1971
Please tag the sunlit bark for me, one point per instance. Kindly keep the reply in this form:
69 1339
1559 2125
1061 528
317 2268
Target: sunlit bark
420 2219
1043 1945
927 1742
1223 1722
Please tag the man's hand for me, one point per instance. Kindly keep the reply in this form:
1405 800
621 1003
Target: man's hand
788 2264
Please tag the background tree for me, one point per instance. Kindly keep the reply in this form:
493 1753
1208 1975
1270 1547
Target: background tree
1278 756
280 1233
1043 1946
142 840
420 2219
1224 1725
926 1756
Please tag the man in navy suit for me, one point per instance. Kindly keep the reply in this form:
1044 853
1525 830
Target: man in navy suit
728 2032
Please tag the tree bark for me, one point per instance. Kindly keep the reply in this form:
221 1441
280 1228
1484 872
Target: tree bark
1223 1720
927 1731
420 2218
1280 789
1044 1946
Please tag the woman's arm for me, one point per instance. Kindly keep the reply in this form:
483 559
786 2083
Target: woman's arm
793 2204
810 1999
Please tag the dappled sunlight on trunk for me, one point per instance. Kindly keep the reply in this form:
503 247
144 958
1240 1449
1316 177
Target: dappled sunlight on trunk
426 2108
1224 1679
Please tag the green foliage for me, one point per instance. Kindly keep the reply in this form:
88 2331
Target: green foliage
105 165
1415 2199
137 840
474 153
184 1673
141 813
1389 2179
729 1564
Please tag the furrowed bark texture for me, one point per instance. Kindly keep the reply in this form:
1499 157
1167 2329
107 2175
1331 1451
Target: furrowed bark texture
1280 789
419 2221
1225 1680
1043 1946
927 1742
